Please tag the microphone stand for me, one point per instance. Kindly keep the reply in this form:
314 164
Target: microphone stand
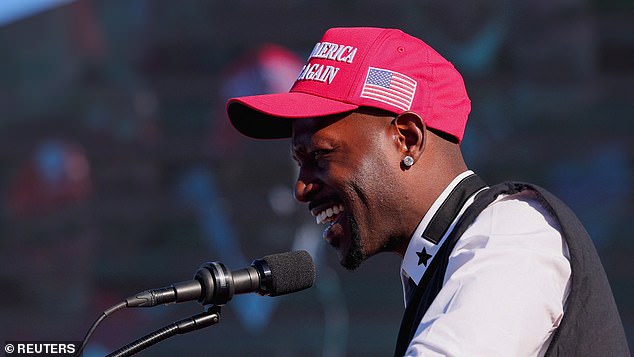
211 316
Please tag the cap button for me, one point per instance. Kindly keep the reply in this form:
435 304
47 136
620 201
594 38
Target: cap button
401 49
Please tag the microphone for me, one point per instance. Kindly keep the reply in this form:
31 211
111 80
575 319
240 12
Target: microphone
213 283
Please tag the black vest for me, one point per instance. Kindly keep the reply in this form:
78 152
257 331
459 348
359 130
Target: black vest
591 325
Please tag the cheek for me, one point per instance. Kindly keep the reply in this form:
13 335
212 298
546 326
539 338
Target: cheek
368 174
376 174
369 189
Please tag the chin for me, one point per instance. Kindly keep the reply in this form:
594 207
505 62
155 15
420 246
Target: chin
351 262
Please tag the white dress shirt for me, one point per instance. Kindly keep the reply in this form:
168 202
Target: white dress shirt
506 281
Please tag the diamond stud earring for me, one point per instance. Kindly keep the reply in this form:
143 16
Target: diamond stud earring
408 161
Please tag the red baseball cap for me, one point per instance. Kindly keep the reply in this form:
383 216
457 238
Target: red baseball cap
361 67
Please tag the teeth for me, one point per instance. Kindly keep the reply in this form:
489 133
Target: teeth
328 214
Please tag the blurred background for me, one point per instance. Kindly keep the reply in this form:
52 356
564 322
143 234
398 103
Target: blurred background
119 171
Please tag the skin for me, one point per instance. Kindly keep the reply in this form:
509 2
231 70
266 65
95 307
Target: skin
355 159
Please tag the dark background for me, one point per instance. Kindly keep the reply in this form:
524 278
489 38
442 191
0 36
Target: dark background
119 172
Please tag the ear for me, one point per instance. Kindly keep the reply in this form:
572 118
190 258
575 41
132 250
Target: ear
411 134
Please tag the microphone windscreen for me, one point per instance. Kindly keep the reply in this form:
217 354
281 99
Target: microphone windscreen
290 272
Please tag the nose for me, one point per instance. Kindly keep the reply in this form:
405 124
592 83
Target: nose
304 190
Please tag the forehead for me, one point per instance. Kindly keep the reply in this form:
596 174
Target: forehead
343 127
305 129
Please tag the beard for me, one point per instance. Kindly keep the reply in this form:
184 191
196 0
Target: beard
355 255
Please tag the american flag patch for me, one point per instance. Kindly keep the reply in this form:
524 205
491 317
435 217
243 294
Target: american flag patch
389 87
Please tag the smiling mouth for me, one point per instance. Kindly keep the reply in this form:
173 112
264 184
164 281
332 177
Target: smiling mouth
329 214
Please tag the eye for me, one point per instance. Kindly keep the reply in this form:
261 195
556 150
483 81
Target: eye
319 154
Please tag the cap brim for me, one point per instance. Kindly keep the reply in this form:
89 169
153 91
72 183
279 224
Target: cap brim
268 116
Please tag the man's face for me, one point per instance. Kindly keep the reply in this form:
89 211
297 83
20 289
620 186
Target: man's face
347 167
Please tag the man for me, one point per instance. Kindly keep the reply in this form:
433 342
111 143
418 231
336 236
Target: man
376 118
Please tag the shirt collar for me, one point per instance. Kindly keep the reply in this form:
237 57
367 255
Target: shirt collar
421 250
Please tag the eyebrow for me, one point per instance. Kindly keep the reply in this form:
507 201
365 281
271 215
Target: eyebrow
298 150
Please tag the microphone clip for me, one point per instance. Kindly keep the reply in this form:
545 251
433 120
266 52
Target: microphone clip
210 317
